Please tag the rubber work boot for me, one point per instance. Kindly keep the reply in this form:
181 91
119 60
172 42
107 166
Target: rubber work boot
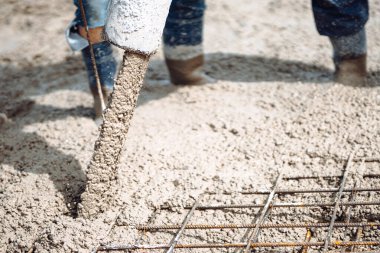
350 58
351 71
188 72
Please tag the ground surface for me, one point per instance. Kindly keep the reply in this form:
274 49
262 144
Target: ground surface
272 108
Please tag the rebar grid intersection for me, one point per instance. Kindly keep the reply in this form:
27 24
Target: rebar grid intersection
252 244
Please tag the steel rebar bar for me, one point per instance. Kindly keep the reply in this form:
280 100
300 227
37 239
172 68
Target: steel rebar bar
349 209
238 245
308 235
322 190
92 55
258 224
365 251
367 159
359 230
151 228
298 204
358 235
175 239
255 233
337 201
327 177
356 159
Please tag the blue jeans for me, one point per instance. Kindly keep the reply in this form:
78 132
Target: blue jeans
106 65
184 25
96 12
337 18
333 18
343 21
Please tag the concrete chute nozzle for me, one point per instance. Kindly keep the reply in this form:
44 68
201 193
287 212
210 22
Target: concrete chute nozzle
136 25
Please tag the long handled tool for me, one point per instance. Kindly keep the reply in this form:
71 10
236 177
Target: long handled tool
135 26
93 61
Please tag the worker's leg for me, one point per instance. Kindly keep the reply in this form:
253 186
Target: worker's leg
343 21
183 35
96 11
106 66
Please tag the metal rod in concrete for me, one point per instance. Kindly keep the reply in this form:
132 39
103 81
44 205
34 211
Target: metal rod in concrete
237 245
282 205
154 228
337 201
255 233
322 190
328 177
175 239
308 235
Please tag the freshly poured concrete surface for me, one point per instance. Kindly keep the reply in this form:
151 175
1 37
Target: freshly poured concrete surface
272 108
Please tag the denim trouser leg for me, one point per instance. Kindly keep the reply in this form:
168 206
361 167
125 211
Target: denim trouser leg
343 21
105 64
96 11
183 33
336 18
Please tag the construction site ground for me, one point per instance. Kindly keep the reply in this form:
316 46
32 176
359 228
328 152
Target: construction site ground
273 107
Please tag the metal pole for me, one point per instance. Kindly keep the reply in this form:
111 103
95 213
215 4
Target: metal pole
152 228
175 239
328 177
337 202
92 54
305 249
237 245
322 190
282 205
253 237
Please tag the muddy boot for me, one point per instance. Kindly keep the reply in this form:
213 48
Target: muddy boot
350 59
188 72
183 39
352 71
106 66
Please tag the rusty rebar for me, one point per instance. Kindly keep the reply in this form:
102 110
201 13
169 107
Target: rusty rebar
280 205
327 177
308 235
237 245
366 251
367 159
358 235
337 202
294 191
356 159
258 225
263 226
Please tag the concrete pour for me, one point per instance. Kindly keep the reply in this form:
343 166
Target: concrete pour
274 107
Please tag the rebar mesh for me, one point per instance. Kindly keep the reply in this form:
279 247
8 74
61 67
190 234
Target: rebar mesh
352 227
